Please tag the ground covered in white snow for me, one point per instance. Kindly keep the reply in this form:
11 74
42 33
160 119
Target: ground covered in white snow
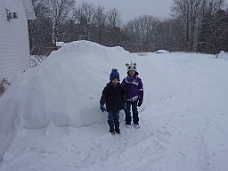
50 117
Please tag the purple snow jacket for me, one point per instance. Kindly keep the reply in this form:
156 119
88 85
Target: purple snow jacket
134 89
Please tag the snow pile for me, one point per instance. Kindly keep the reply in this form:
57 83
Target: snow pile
65 89
161 52
51 117
223 55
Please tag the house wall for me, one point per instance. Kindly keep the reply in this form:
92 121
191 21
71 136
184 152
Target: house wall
14 41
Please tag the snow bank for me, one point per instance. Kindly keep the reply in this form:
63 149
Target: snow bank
223 55
65 89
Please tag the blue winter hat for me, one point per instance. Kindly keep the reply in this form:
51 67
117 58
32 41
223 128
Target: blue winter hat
114 74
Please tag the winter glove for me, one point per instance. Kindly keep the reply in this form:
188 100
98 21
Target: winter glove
139 103
102 108
125 106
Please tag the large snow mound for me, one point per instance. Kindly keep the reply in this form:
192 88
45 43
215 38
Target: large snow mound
65 89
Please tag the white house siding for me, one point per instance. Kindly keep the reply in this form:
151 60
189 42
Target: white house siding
14 41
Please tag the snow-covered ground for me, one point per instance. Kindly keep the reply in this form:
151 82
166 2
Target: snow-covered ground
50 117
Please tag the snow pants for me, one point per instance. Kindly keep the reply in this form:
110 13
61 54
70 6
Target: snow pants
113 119
134 111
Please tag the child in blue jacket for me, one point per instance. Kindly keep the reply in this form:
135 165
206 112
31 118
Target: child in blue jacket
113 95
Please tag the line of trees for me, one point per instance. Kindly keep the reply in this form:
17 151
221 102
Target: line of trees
194 25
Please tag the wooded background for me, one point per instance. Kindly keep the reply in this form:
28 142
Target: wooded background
194 26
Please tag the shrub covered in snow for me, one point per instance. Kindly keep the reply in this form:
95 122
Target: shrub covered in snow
37 59
3 85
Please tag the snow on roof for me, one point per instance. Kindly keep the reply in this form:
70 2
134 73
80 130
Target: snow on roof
29 9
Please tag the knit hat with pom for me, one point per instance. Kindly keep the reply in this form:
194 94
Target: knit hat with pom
114 74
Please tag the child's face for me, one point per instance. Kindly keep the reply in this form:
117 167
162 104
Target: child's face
115 81
132 73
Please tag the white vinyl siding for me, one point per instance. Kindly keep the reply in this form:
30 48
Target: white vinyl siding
14 41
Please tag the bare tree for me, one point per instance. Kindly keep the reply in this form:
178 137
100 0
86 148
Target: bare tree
99 20
164 36
114 24
40 33
213 27
84 16
142 32
60 10
188 12
129 31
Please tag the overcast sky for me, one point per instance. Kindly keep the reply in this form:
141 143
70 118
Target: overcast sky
130 9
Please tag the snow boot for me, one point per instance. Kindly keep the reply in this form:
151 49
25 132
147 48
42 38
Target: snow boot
117 128
128 125
112 131
136 125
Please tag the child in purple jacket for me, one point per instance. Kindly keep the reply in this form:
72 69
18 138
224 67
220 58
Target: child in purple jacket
134 93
